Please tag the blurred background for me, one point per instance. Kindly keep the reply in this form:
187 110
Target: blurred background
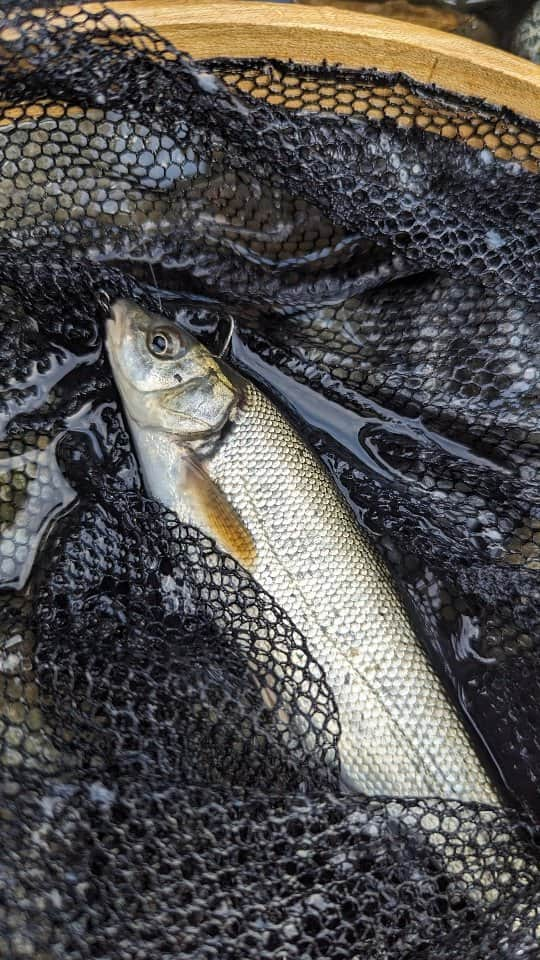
511 24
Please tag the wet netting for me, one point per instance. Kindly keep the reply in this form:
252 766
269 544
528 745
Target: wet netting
377 243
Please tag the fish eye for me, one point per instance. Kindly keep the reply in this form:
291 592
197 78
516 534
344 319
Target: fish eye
165 343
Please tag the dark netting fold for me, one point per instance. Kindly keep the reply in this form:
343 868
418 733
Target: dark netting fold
169 747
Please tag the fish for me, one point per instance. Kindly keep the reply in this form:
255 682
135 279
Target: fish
216 451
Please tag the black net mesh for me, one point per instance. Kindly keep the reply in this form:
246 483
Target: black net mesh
377 244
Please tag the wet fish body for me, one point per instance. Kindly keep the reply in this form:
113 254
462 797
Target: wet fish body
217 452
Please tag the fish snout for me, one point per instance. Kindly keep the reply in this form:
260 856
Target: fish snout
118 321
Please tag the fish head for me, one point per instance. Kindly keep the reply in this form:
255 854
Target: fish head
167 379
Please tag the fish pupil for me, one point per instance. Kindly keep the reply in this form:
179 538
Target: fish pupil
159 343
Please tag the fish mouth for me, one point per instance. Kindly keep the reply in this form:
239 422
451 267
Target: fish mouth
116 322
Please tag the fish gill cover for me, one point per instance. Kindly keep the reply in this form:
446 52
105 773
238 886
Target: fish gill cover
377 243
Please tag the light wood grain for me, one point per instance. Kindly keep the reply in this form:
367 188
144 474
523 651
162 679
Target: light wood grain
312 34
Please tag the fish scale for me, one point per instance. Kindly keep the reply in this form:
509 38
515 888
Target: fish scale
400 735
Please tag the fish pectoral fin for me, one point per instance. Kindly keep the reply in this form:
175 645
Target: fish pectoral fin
219 516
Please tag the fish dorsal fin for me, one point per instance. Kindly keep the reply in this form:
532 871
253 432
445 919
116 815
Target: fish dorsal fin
220 518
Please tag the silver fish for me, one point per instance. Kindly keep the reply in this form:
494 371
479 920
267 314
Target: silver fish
217 452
